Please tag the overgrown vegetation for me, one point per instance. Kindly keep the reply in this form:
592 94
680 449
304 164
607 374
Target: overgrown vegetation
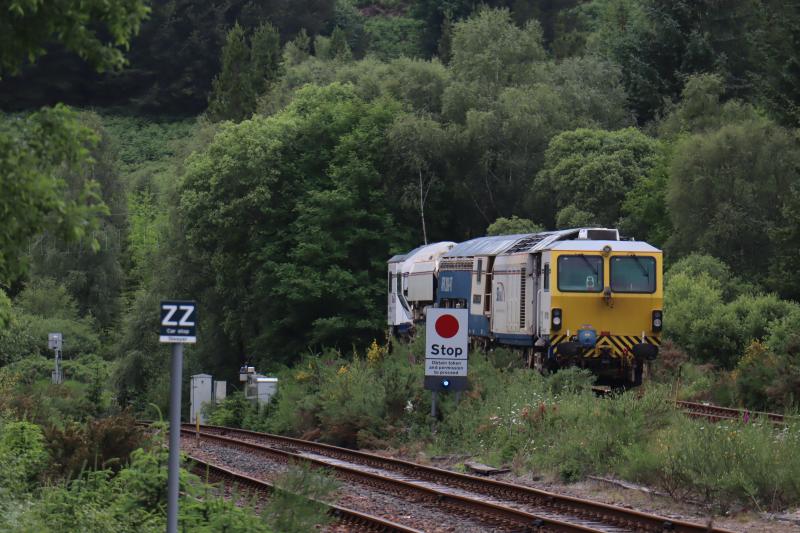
552 425
320 137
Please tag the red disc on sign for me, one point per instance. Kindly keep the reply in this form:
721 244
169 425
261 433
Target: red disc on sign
446 326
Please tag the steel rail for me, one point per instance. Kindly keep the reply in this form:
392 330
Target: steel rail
349 517
562 504
717 412
498 515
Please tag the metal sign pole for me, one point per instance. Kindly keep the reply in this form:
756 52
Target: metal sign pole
174 438
178 326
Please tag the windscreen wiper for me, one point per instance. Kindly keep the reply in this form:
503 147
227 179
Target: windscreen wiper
641 265
596 273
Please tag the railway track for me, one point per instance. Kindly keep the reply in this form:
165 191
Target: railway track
717 413
497 504
346 518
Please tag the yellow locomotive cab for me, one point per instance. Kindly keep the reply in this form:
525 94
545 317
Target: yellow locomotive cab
606 307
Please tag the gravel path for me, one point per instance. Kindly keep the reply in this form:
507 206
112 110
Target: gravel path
357 496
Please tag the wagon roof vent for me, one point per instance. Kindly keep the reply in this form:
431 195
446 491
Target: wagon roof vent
528 242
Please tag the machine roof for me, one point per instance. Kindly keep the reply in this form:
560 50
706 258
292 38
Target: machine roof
517 243
400 258
485 245
596 246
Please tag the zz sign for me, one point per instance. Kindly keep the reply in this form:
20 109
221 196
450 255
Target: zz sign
178 322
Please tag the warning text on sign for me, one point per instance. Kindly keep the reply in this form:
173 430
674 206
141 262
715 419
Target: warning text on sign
445 367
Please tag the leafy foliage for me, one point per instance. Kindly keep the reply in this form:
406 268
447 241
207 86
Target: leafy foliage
294 208
34 195
727 189
593 170
512 225
28 26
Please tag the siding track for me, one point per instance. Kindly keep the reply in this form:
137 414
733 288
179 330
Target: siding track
497 504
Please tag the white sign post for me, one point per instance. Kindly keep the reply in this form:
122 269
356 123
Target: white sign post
178 327
446 351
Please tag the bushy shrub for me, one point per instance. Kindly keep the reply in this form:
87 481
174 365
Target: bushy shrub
695 317
23 456
726 463
105 443
352 404
27 336
134 500
720 275
229 412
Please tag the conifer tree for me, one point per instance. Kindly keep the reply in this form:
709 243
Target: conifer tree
298 49
339 49
233 96
266 59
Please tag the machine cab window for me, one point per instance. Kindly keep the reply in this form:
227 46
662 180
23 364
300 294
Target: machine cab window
580 273
633 274
546 283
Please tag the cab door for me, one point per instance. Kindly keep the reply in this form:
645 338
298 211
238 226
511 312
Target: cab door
543 295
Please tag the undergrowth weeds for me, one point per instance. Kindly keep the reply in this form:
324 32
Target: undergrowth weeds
551 425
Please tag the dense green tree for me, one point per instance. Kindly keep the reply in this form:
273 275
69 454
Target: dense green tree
417 144
352 24
727 190
233 95
778 84
93 275
288 215
786 238
392 37
339 47
573 216
36 152
512 225
718 273
702 108
490 51
593 170
660 42
644 210
28 26
266 57
171 63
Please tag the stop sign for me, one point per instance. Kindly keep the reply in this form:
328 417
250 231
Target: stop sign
446 342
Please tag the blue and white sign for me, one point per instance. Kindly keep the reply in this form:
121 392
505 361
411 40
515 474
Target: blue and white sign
178 322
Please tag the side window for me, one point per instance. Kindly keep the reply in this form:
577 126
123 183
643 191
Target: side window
390 283
480 270
500 293
547 277
399 283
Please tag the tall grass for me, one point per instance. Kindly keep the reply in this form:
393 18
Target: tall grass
554 424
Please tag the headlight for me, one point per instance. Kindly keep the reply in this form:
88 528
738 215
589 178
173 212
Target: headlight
555 323
657 320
